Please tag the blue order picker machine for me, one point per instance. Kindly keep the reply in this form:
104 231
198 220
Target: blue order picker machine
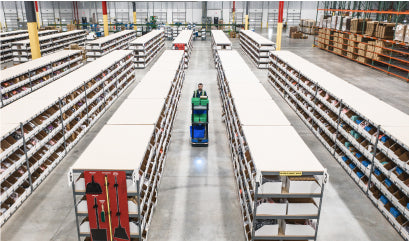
199 130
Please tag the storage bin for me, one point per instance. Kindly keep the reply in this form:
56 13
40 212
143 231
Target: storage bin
204 101
196 101
199 132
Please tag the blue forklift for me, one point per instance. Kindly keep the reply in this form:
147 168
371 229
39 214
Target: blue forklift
199 130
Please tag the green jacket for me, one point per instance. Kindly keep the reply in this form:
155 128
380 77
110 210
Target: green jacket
198 93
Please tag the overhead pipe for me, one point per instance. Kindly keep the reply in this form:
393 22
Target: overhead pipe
38 15
279 24
105 18
32 29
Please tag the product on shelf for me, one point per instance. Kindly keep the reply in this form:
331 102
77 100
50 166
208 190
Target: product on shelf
105 45
280 190
125 179
183 41
147 47
48 44
256 47
369 138
39 129
22 79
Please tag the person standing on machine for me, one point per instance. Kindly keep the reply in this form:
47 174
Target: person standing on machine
199 92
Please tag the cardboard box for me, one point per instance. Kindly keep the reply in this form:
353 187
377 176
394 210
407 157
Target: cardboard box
339 23
400 32
385 30
346 24
362 59
357 25
371 28
334 20
406 39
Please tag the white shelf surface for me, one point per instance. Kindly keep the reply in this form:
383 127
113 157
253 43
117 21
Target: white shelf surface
129 142
391 119
183 37
272 209
304 187
146 37
260 113
272 149
270 188
25 108
257 37
220 37
110 37
302 209
299 230
248 91
137 112
267 231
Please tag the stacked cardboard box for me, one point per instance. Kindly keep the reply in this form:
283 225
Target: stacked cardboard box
339 23
334 20
293 29
381 50
370 49
362 49
357 25
352 45
371 27
321 38
385 30
406 39
400 32
346 24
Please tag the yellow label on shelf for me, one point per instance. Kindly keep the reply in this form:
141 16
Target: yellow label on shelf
290 173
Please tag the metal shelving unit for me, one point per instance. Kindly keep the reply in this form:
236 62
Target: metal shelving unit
25 78
141 156
220 41
15 32
147 48
384 54
102 46
369 138
48 44
256 47
41 128
184 42
7 40
280 190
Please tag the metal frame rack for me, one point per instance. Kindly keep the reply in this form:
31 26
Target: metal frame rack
102 46
389 56
280 190
369 138
48 44
145 140
147 47
6 42
184 41
39 129
11 33
256 47
25 78
220 41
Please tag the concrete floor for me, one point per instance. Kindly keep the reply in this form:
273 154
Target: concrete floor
197 196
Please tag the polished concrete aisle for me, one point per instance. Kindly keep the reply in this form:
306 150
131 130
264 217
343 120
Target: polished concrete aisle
197 195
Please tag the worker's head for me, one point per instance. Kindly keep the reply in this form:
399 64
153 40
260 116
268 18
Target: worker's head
200 86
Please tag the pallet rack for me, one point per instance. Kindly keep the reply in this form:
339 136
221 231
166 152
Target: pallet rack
48 44
6 42
369 138
256 47
141 156
25 78
184 42
219 42
280 190
102 46
147 47
39 129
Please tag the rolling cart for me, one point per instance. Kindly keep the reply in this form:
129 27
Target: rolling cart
199 130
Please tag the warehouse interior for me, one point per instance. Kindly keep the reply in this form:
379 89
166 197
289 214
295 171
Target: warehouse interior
300 132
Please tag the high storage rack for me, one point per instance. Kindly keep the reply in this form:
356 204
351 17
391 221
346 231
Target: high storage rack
256 47
369 138
22 79
144 134
48 44
184 42
147 47
39 129
280 190
219 42
105 45
6 41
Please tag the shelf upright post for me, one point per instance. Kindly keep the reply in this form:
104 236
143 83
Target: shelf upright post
324 181
75 209
373 158
62 125
254 211
86 102
25 154
338 124
31 82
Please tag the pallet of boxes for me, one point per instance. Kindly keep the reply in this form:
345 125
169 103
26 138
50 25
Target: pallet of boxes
340 43
362 50
295 33
308 26
352 48
401 33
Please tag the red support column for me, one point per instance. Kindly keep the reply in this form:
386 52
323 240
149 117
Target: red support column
105 17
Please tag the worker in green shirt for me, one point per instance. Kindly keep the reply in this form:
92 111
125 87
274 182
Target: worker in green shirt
199 92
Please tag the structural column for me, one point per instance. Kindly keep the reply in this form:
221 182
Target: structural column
105 17
32 29
279 24
38 15
246 24
134 16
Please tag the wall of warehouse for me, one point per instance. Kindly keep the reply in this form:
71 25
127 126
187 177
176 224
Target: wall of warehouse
261 12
